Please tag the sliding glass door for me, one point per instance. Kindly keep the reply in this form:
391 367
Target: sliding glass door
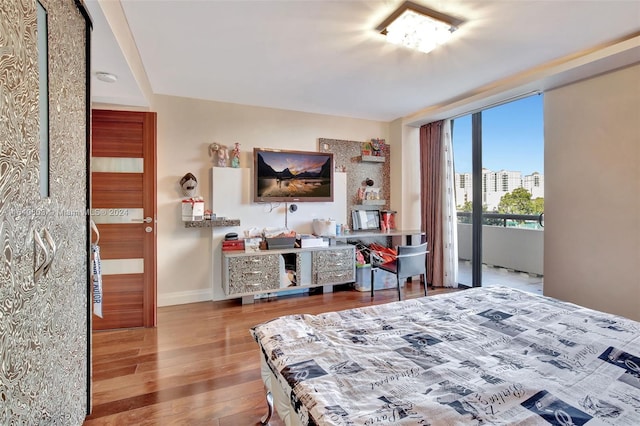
499 172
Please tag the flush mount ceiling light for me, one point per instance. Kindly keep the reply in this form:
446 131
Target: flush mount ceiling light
107 77
418 27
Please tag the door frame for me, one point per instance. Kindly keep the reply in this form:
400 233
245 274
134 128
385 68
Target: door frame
150 204
148 120
87 51
476 212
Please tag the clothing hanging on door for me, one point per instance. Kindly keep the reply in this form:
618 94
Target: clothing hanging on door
96 273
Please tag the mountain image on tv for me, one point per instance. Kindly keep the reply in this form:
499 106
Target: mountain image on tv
281 174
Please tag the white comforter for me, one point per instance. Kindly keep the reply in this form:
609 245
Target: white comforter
480 356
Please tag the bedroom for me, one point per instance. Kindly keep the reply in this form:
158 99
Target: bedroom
194 123
576 247
591 252
573 266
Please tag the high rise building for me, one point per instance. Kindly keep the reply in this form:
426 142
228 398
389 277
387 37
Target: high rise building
534 183
496 184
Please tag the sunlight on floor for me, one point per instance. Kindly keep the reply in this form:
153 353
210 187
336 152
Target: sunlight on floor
496 276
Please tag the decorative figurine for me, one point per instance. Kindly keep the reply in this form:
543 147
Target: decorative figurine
235 156
376 149
223 155
188 183
213 149
221 152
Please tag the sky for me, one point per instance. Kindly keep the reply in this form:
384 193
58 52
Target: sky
512 138
295 162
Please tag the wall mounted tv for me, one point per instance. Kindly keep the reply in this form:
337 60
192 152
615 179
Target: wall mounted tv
283 175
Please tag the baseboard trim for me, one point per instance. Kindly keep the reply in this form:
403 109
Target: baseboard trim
183 297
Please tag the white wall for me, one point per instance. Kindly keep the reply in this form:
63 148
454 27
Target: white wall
186 127
592 193
405 175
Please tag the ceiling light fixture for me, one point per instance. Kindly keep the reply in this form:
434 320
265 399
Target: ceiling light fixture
418 27
107 77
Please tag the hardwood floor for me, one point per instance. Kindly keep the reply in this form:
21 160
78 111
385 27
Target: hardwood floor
200 366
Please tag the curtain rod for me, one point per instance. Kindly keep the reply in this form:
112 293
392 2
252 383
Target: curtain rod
497 103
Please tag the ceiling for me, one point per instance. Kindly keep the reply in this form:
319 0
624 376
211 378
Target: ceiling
324 56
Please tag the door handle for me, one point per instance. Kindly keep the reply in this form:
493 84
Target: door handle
54 248
147 219
37 274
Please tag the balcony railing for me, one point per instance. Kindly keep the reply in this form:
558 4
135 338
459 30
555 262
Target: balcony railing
506 219
509 241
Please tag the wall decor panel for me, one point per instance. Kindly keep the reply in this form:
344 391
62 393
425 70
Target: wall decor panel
44 258
348 156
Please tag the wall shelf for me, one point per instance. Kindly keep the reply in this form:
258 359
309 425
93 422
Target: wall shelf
372 159
213 223
373 202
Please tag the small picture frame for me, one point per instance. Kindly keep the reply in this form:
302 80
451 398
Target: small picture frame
365 219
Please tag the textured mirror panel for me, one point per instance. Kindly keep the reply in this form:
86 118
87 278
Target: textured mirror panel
43 318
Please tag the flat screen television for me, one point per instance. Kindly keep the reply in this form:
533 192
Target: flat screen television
284 175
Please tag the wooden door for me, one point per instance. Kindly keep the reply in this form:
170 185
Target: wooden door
123 173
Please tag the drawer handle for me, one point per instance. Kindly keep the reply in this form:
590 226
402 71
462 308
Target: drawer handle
254 284
254 272
256 260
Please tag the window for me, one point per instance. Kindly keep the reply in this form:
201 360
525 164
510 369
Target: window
502 147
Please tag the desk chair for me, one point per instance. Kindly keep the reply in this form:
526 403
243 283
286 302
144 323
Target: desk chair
410 261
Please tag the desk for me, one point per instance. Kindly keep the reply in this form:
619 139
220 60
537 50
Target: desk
409 234
376 233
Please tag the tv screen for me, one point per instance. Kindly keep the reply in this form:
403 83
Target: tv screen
283 175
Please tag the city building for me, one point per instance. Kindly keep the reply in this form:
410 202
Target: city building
495 185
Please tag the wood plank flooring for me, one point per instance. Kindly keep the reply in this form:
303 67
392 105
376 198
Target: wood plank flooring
200 366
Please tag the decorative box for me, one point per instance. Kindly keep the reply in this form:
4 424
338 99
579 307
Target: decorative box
233 245
192 209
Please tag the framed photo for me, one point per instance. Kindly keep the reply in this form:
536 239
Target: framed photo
365 219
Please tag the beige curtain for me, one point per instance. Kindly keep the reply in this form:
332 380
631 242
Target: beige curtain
449 211
431 198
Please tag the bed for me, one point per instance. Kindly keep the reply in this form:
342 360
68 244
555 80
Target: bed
479 356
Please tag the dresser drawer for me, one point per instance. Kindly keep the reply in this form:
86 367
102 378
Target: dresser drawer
331 260
253 273
334 266
335 277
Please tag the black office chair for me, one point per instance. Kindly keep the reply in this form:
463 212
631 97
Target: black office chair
409 262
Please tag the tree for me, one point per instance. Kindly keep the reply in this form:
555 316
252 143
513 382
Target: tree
516 202
538 205
466 207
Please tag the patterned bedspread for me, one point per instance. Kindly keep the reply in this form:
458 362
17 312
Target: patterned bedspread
479 356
